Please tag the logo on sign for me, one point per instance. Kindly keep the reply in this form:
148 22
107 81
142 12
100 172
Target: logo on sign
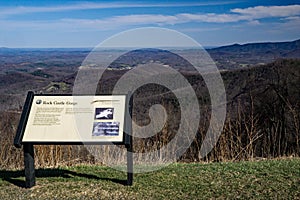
38 101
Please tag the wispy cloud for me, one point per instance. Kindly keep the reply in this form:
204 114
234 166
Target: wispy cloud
291 24
251 16
210 17
89 6
58 25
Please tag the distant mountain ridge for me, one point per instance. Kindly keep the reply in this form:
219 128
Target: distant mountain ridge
262 47
258 46
226 57
237 55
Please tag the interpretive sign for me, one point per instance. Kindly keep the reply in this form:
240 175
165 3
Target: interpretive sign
67 119
76 119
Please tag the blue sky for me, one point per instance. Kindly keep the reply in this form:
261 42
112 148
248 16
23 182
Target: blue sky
48 23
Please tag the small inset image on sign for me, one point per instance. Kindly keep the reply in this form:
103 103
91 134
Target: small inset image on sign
106 129
104 113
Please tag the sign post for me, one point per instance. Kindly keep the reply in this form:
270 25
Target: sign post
29 165
66 119
128 140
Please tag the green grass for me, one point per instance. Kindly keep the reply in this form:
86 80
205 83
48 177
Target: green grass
270 179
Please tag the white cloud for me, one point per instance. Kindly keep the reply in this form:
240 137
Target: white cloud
291 24
118 21
199 29
158 19
210 17
254 22
251 16
145 19
7 11
293 18
259 12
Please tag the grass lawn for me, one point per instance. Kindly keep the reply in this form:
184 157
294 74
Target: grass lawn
271 179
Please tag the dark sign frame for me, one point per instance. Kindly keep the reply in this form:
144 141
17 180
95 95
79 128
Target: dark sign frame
28 147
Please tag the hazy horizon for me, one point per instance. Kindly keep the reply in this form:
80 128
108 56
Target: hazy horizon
90 48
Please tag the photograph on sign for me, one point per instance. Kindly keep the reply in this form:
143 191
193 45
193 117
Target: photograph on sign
76 119
106 129
104 113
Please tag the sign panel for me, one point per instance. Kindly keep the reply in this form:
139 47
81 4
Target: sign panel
76 119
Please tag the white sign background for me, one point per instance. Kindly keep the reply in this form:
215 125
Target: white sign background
55 119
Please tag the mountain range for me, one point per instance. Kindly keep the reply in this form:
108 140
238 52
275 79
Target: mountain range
236 55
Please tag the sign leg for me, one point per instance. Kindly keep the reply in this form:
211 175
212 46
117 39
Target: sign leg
129 163
29 165
128 138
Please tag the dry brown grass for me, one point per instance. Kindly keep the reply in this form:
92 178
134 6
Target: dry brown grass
245 137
